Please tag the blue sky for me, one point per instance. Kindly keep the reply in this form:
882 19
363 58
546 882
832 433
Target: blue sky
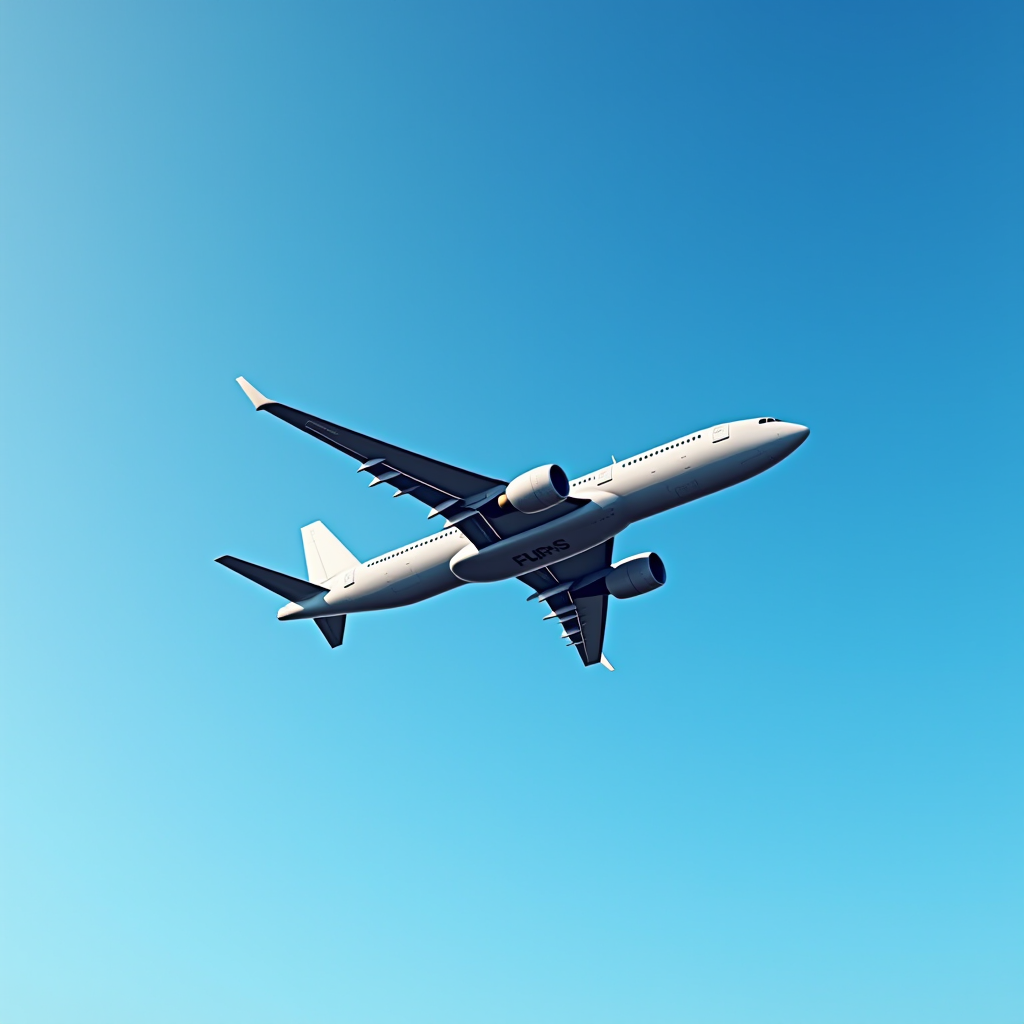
508 234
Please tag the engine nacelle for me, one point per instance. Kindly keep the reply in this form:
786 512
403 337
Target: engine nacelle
537 490
635 576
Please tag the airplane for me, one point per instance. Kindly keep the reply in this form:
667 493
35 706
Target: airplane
554 534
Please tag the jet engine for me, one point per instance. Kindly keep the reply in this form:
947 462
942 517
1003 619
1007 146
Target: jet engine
540 489
637 575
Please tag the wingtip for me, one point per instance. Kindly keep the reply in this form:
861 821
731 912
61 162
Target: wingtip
258 400
607 664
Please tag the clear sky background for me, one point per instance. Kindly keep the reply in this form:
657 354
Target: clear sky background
508 234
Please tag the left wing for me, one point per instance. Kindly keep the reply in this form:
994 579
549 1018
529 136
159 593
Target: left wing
435 483
465 499
582 615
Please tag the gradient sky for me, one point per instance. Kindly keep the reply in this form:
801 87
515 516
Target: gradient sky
508 234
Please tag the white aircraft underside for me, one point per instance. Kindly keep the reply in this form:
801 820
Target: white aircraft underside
554 534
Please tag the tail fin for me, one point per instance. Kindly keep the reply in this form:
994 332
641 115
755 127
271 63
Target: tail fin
326 556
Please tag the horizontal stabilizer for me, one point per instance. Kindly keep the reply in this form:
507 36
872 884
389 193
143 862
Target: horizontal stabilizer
285 586
333 628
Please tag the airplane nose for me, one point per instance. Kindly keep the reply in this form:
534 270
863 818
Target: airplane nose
798 434
790 437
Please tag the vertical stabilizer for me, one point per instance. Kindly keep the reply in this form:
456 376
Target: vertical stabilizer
326 556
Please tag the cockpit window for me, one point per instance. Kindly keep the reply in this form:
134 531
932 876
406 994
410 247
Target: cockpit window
769 419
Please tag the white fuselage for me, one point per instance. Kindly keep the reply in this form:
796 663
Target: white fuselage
654 481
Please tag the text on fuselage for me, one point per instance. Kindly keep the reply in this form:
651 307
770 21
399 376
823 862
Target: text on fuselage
539 554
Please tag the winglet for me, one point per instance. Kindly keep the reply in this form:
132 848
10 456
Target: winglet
607 664
254 396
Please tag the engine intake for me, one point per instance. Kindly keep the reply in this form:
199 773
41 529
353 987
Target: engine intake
540 489
637 575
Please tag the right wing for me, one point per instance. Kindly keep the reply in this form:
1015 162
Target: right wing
465 499
582 615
